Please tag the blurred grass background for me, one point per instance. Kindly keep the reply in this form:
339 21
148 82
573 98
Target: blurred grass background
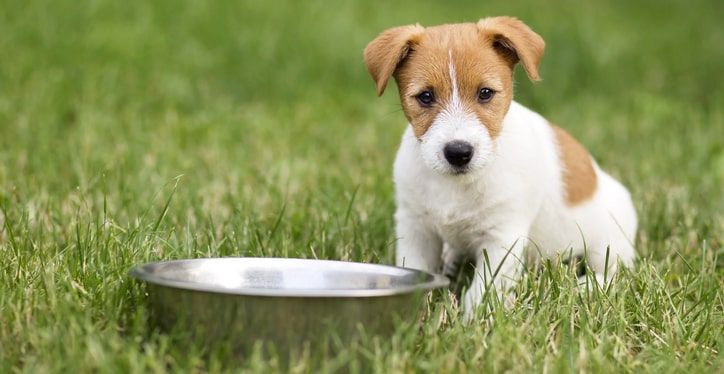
259 126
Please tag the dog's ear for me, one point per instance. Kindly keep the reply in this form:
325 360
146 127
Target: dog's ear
386 52
516 41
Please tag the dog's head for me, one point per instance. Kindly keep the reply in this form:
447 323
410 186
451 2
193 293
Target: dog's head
455 83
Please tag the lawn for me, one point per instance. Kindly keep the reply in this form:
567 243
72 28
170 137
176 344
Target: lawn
147 130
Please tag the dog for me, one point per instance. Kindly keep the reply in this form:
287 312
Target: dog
480 176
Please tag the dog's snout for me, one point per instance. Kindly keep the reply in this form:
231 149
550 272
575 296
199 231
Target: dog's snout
458 153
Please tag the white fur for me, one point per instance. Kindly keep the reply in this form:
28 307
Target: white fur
511 204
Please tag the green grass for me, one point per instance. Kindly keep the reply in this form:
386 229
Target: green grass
147 130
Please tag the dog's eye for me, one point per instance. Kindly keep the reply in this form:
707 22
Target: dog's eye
425 98
485 95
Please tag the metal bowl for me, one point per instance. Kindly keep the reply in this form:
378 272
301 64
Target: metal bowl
289 303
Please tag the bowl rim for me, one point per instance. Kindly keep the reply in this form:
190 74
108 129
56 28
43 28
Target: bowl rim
141 273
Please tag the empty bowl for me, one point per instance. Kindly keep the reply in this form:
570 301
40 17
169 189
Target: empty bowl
282 302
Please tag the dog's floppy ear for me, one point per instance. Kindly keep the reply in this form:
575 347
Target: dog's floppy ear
388 49
515 40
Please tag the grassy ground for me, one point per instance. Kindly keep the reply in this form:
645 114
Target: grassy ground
259 127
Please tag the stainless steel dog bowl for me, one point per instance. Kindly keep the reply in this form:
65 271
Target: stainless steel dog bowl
285 302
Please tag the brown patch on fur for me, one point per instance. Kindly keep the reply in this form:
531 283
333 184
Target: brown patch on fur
476 68
517 41
578 174
419 60
427 67
383 54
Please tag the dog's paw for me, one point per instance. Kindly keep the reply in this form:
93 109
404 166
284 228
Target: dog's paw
451 269
451 261
471 300
587 283
469 309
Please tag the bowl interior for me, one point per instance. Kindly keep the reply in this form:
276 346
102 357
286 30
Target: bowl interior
281 276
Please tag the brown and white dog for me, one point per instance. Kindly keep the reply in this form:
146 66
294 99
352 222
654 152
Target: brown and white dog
480 176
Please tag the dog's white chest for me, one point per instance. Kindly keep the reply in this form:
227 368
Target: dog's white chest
455 212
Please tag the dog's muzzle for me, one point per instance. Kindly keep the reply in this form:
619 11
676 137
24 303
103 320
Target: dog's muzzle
458 153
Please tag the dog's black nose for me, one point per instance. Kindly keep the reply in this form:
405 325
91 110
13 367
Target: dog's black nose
458 153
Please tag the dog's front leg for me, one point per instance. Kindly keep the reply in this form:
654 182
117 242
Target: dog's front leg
498 263
451 261
418 246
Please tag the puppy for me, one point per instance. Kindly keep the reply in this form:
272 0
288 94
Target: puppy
480 176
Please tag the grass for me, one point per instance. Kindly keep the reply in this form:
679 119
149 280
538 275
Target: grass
140 131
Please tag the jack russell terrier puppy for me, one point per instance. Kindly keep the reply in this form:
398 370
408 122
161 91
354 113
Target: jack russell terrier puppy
480 176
